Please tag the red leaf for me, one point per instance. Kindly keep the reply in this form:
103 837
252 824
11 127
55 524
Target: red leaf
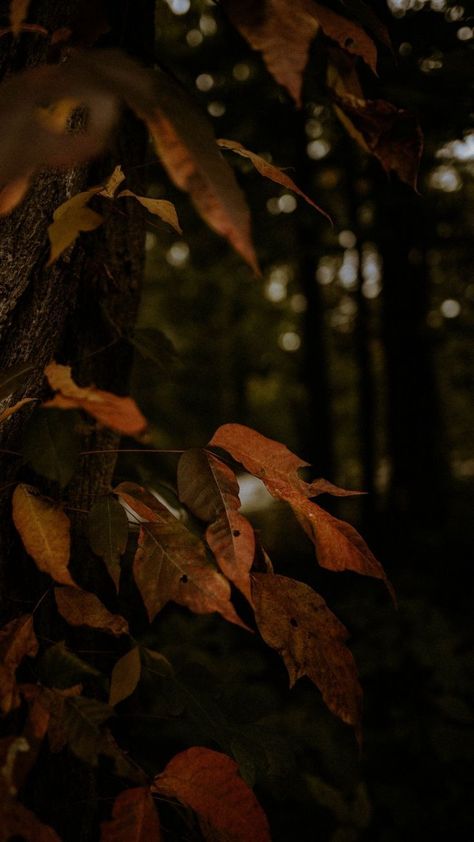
211 492
295 620
209 783
134 818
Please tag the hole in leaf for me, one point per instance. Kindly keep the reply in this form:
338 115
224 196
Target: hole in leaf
184 579
236 533
294 623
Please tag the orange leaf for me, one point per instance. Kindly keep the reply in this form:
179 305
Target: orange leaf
69 219
171 563
80 608
269 171
211 492
18 13
12 409
12 193
44 530
17 640
134 818
209 783
117 413
295 620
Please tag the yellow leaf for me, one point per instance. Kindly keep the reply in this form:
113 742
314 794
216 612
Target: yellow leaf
70 219
18 13
44 530
159 207
113 183
12 409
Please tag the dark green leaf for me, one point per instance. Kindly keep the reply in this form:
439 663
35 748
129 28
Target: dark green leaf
107 528
51 444
12 378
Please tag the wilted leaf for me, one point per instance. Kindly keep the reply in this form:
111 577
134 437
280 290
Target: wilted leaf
171 563
269 171
107 528
81 608
69 219
44 530
209 783
17 640
210 490
125 676
113 183
187 148
159 207
18 13
60 668
134 818
117 413
13 409
339 546
11 379
51 444
295 620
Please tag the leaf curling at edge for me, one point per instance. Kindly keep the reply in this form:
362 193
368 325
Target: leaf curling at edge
82 608
171 563
44 530
338 545
296 622
209 783
134 818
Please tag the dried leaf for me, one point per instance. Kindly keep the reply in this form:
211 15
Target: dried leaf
44 530
17 640
69 219
51 444
211 492
159 207
7 413
295 620
348 34
269 171
125 676
18 13
134 818
171 563
113 183
339 546
11 379
209 783
80 608
118 413
107 528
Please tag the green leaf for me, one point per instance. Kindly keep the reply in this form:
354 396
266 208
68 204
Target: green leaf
12 378
107 529
61 668
153 345
51 444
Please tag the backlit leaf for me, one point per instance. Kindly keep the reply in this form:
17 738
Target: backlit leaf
80 608
117 413
159 207
7 413
209 783
296 622
210 490
51 444
269 171
125 676
69 219
11 379
17 640
134 818
44 530
171 563
107 528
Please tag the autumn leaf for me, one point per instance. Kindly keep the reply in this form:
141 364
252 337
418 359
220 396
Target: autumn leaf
107 528
158 207
11 379
16 822
76 722
339 546
171 563
209 783
118 413
269 171
80 608
18 13
113 182
125 676
296 622
61 669
44 530
12 193
211 492
69 219
17 640
7 413
134 818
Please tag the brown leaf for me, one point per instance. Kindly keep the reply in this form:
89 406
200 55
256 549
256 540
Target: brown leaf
269 171
159 207
16 821
118 413
18 13
295 620
171 563
12 409
17 640
209 783
211 492
125 676
134 818
69 219
348 34
44 530
113 183
13 193
339 546
80 608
